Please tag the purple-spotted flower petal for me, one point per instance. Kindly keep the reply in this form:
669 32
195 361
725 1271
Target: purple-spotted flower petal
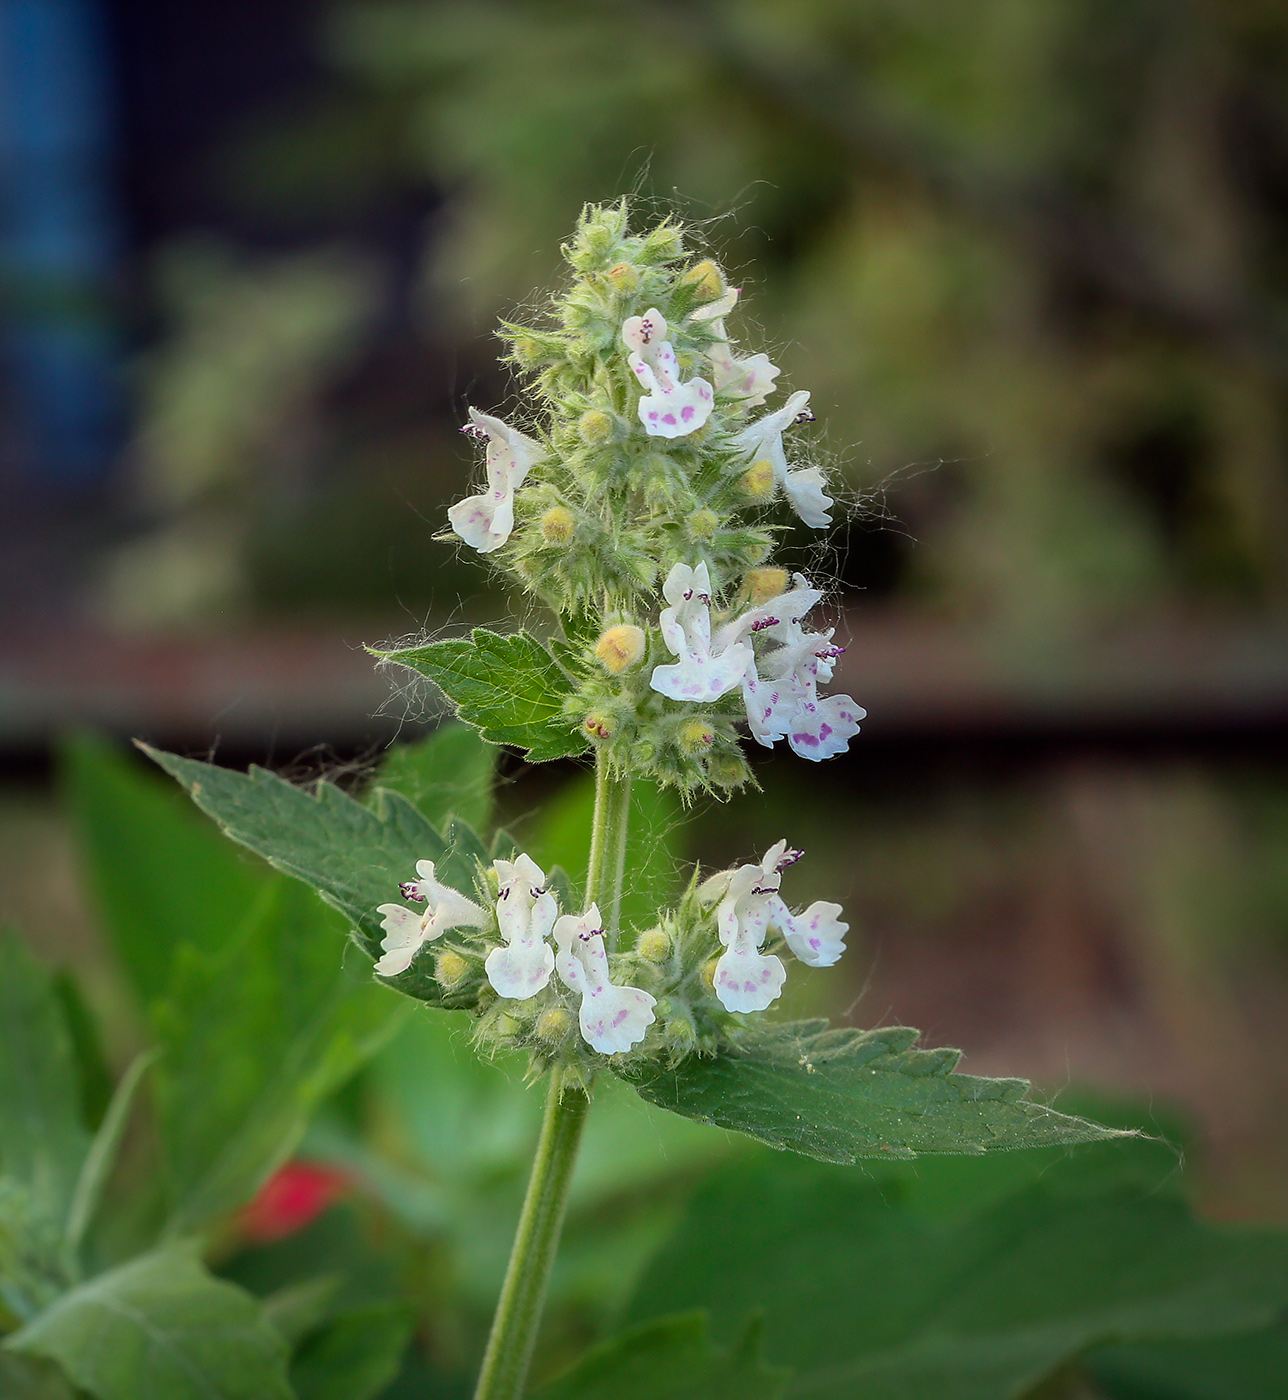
750 378
407 931
613 1018
525 914
484 522
763 441
703 673
668 408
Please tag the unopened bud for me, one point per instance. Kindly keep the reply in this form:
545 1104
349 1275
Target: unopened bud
558 525
620 647
763 584
703 524
599 725
758 480
451 969
506 1025
709 975
527 350
654 946
595 427
706 278
680 1033
624 277
662 245
697 735
553 1024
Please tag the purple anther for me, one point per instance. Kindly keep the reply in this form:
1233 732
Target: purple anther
409 889
761 623
475 430
789 858
804 416
830 653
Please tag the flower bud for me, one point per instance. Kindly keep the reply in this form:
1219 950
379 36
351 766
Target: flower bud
709 974
757 482
663 244
599 725
596 427
654 946
703 524
506 1026
696 735
620 647
553 1024
705 278
451 969
763 584
680 1034
624 278
558 525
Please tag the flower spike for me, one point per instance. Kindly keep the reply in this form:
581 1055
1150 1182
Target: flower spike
613 1018
406 932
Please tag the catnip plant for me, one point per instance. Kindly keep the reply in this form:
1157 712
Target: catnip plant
640 502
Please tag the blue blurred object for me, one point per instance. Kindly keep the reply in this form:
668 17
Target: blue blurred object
59 240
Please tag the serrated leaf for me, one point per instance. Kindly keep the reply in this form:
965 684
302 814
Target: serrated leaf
840 1095
161 1327
672 1358
870 1298
354 855
449 773
43 1141
510 688
353 1356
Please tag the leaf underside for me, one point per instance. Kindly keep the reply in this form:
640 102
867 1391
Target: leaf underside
510 688
840 1095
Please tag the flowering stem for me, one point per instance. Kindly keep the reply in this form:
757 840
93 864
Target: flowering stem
518 1313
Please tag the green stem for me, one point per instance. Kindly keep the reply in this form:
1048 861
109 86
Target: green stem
518 1313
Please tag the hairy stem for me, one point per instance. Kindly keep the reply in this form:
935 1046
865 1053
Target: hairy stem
518 1313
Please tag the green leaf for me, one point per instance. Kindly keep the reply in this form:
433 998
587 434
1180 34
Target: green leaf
672 1358
1248 1366
256 1034
159 874
163 1328
42 1138
449 773
355 1355
842 1094
510 688
30 1378
354 856
870 1297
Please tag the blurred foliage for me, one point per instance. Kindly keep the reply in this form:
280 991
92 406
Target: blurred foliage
1031 259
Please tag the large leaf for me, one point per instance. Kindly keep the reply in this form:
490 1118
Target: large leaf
256 1034
355 1355
1247 1366
42 1139
511 688
161 1327
160 875
354 856
868 1295
841 1094
449 773
674 1359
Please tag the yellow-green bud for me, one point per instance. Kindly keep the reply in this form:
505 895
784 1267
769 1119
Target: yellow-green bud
706 278
527 350
595 427
506 1025
663 244
451 969
599 725
757 481
680 1033
697 735
624 277
709 975
654 946
553 1024
763 584
703 524
558 525
620 647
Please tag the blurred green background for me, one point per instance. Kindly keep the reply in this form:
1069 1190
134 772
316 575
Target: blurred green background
1032 261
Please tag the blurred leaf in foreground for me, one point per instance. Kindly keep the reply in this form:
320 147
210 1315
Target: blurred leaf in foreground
449 773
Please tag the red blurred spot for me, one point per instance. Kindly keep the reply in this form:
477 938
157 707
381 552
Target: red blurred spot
293 1196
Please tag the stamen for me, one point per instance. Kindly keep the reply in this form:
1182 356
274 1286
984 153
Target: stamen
410 890
805 416
789 858
762 623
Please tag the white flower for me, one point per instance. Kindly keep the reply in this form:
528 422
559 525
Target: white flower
780 687
701 674
668 408
751 379
525 914
612 1018
749 907
763 441
406 931
484 522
